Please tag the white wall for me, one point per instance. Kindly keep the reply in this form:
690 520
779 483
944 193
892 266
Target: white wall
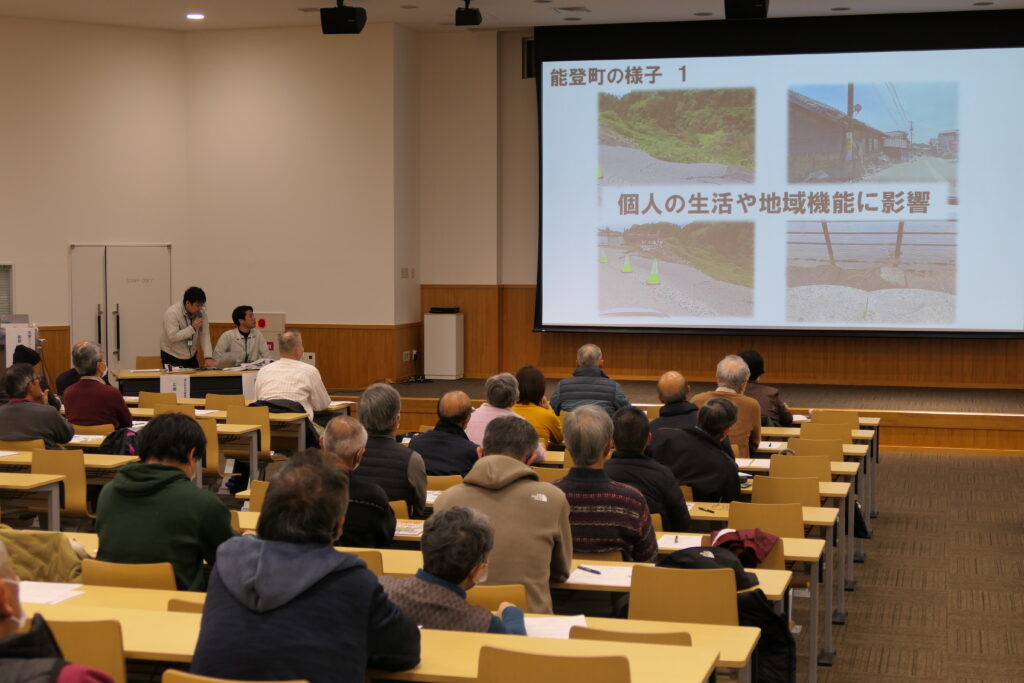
407 181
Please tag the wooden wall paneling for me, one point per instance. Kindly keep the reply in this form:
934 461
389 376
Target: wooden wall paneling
408 337
481 306
56 350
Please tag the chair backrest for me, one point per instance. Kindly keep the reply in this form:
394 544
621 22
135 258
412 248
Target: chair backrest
373 559
158 575
148 362
490 597
400 507
667 638
95 644
735 450
164 408
257 494
443 482
703 596
253 415
93 430
180 605
222 401
72 465
817 466
656 522
30 445
802 490
781 519
608 556
844 417
505 666
213 465
687 492
179 676
424 428
236 522
825 430
150 399
549 474
830 448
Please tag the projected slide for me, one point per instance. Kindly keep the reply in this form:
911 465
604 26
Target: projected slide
873 191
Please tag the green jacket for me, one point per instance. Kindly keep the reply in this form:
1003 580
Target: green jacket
155 513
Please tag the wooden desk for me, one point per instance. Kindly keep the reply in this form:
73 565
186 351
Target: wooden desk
763 466
93 461
20 483
277 420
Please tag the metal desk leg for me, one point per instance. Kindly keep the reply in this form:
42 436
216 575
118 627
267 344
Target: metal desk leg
254 455
813 659
827 654
839 615
850 582
53 507
874 454
743 675
861 486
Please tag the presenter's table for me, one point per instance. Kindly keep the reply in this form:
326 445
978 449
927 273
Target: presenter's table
202 382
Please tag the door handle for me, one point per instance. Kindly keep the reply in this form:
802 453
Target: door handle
99 324
117 331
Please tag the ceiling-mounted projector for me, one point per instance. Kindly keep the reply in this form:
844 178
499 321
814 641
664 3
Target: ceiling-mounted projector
342 19
468 16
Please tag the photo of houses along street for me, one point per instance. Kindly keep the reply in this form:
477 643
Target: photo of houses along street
875 271
702 269
874 132
676 137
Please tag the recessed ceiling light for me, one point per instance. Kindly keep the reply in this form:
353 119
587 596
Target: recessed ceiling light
702 14
195 16
840 9
409 6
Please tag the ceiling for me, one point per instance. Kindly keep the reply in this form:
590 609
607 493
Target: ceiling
438 15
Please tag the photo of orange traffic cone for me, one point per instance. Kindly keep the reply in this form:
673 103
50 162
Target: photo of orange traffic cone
626 267
654 278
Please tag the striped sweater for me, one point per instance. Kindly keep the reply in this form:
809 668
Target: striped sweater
608 515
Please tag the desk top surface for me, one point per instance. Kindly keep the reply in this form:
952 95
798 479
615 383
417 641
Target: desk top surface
93 461
24 481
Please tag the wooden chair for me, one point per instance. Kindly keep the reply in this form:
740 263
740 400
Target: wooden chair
735 450
213 466
687 492
373 559
148 362
668 638
250 415
490 597
816 466
505 666
830 448
164 408
179 676
30 445
150 399
236 523
181 605
844 417
549 474
424 428
72 465
825 430
159 575
96 644
781 519
608 556
257 494
703 596
773 490
93 430
656 522
400 507
223 401
443 483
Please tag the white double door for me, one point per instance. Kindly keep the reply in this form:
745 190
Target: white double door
118 298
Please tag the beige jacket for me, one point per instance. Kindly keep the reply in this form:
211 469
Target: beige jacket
746 433
532 538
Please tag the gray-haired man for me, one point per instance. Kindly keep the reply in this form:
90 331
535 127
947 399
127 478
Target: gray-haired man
589 384
732 374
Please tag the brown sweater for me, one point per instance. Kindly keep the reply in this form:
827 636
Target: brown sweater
746 433
532 538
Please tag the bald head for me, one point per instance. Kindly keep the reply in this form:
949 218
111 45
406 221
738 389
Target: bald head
343 441
672 387
455 408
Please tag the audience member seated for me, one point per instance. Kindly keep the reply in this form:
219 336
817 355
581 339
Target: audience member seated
446 449
502 392
291 379
396 469
774 413
456 544
244 344
287 605
697 455
532 538
23 354
732 374
153 512
677 413
588 385
370 521
70 376
90 401
631 464
534 406
32 656
27 415
605 515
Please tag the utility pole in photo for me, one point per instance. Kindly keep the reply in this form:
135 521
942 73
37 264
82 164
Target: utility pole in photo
848 143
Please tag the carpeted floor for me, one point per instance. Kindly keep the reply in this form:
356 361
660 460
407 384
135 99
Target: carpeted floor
940 596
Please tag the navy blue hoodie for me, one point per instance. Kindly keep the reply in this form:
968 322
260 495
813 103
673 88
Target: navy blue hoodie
279 611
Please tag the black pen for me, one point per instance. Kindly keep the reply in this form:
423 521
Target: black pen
588 569
706 509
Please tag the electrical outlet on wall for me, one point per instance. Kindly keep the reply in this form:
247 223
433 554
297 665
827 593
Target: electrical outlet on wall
406 356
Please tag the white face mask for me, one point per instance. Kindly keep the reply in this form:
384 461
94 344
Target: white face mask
481 577
21 620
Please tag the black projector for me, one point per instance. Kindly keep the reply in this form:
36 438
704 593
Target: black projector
467 16
342 19
746 9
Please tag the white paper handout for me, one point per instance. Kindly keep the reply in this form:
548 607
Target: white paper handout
771 445
679 541
553 627
46 593
602 575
